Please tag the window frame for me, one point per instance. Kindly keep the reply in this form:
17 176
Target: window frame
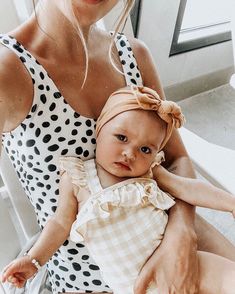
182 47
135 17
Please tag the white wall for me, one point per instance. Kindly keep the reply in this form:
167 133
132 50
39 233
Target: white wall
156 30
8 16
13 13
110 20
157 24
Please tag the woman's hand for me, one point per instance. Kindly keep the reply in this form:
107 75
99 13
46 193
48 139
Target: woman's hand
173 267
19 271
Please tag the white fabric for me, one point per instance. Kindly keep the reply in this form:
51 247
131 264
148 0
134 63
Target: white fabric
120 225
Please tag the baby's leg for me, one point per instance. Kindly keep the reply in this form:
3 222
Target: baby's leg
211 240
217 274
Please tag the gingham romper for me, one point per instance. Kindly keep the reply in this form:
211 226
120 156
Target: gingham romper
121 225
51 129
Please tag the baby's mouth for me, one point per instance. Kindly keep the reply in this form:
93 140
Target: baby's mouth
123 165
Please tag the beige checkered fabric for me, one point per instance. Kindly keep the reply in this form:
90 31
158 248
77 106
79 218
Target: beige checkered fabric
121 226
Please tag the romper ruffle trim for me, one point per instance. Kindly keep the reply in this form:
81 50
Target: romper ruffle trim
75 169
135 192
139 192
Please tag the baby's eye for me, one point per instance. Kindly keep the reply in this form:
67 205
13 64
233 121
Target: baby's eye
122 138
145 150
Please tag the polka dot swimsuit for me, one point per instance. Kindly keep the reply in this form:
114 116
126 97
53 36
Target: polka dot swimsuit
51 129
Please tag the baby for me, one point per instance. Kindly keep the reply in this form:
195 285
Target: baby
114 204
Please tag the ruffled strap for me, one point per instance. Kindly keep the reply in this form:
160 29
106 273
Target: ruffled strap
138 193
75 169
159 158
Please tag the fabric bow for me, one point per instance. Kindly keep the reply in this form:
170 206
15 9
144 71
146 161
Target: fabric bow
168 111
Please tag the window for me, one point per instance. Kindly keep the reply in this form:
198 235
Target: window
135 16
201 23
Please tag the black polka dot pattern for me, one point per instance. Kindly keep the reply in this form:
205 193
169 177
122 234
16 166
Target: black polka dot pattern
51 129
128 61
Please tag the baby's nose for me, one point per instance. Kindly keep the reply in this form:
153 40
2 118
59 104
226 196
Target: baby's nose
129 154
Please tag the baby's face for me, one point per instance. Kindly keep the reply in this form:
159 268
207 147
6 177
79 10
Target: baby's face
127 145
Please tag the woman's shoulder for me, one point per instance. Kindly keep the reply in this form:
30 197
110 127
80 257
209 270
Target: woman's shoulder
138 46
8 63
15 83
146 65
12 71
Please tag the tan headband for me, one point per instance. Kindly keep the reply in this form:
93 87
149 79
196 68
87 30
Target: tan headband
134 98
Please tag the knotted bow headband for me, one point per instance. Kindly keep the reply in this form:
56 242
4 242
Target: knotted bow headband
134 98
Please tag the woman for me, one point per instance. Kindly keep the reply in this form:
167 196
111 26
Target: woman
53 89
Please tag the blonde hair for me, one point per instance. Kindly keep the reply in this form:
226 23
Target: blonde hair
120 24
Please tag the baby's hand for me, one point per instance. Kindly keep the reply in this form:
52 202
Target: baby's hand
19 271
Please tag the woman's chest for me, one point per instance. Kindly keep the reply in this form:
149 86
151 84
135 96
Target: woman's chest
87 92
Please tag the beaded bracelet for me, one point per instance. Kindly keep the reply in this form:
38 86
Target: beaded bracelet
33 261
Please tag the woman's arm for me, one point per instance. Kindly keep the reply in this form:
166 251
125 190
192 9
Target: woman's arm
194 191
52 237
179 243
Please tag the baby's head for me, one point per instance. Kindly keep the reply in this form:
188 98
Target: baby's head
134 125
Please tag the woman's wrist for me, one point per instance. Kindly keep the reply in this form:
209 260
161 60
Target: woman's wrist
37 254
34 261
180 235
182 215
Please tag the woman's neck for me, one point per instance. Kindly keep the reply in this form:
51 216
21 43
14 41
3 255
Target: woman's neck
56 19
59 28
49 33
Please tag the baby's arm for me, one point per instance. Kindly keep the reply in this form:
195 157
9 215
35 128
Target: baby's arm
52 237
194 191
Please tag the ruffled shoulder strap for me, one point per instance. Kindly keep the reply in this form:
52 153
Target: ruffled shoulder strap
75 169
160 157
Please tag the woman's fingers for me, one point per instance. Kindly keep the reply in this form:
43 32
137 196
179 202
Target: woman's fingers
143 281
17 280
3 274
162 286
7 275
9 272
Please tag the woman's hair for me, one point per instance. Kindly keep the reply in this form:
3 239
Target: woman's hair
120 24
